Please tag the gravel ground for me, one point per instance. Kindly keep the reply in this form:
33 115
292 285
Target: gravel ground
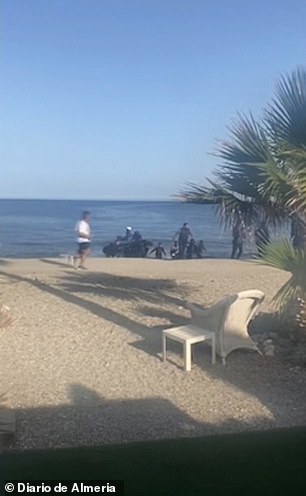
82 361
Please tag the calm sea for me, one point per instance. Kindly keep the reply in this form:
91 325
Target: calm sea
45 228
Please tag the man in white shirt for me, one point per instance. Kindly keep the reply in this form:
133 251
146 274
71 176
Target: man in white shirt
82 229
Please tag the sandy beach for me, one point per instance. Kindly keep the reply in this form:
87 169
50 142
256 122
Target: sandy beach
81 362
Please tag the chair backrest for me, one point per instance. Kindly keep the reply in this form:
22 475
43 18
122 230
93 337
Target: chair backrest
211 318
243 308
239 314
229 319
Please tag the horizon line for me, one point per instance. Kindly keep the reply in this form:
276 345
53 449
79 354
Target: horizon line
91 199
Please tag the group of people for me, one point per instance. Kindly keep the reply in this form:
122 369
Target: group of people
184 245
192 249
131 244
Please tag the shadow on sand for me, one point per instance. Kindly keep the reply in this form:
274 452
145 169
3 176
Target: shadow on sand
89 419
274 385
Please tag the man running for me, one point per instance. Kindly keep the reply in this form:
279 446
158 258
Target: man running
82 229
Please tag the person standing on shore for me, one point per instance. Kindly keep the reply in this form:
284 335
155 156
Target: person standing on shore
184 234
238 238
83 232
200 247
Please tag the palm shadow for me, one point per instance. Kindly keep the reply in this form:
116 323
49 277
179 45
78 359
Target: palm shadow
123 287
54 262
142 290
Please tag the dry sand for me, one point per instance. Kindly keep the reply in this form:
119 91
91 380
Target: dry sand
82 360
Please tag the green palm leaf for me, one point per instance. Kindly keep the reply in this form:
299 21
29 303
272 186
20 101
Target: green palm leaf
285 118
282 256
248 145
295 160
229 203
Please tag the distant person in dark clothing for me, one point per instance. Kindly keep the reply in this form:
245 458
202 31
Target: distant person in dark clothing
199 248
184 234
238 238
134 247
128 234
159 251
174 250
191 248
136 236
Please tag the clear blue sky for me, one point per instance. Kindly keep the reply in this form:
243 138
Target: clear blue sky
125 99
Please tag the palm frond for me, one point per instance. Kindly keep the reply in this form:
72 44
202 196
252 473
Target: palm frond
276 186
200 194
285 118
286 297
244 180
282 256
230 205
231 208
248 144
295 160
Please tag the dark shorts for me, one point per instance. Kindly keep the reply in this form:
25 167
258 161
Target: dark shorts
83 247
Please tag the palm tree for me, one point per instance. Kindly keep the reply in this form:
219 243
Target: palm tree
262 178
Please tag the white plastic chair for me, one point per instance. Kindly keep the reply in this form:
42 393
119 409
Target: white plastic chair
224 323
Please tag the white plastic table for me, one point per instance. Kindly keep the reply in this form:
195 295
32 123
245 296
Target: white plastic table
188 335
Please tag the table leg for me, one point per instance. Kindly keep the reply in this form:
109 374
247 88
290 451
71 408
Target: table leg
213 349
164 348
187 355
